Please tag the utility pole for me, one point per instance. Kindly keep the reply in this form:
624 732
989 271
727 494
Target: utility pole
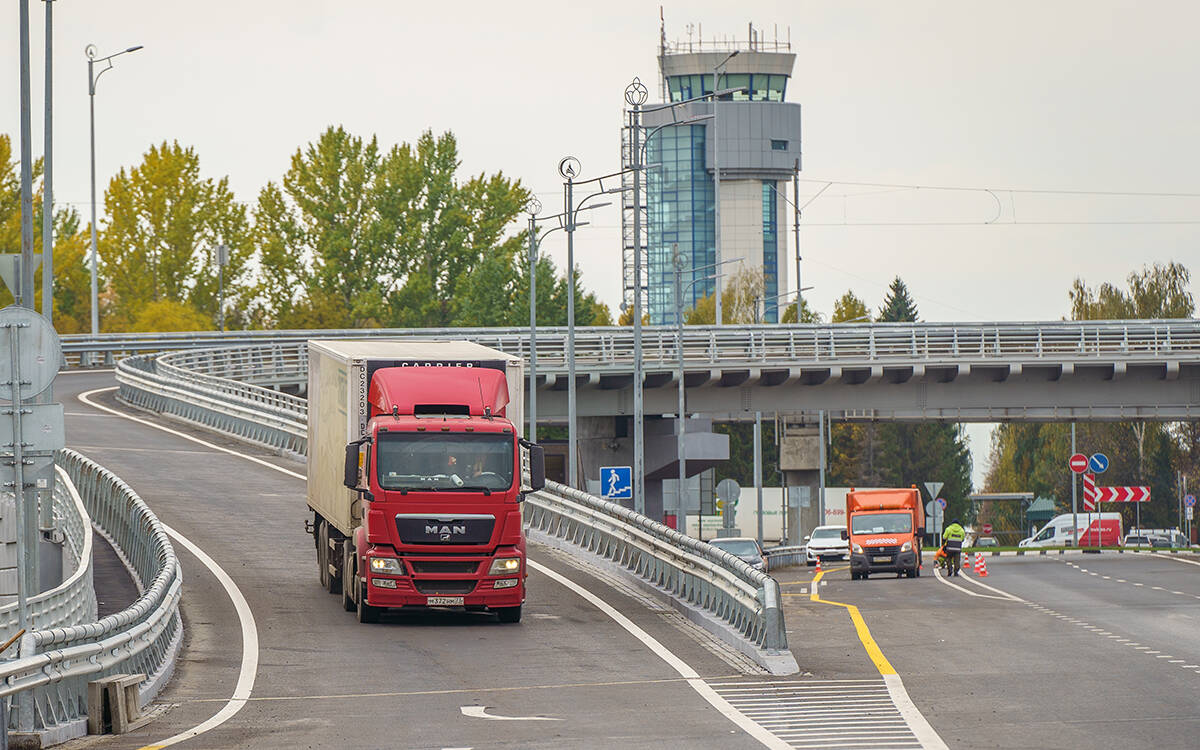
47 177
24 293
796 231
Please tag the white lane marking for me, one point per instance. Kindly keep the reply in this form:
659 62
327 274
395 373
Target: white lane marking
995 590
84 398
480 712
246 675
942 578
249 668
916 721
693 678
1177 559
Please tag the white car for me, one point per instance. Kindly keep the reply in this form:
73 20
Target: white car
826 543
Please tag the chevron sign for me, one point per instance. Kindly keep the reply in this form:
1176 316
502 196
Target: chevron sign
1093 494
1122 494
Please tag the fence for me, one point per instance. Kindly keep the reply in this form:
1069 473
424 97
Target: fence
56 661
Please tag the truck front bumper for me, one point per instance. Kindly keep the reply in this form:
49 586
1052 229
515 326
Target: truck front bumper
870 563
410 593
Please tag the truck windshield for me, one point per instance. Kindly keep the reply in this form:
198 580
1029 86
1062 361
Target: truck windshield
446 462
881 523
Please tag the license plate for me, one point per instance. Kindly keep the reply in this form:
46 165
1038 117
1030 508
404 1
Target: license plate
444 601
887 559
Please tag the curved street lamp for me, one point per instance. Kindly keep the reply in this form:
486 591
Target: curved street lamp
93 77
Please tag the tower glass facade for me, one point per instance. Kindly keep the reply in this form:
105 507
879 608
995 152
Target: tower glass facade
679 214
770 252
759 87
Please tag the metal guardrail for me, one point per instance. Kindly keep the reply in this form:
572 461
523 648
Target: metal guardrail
56 663
784 557
842 343
692 570
687 568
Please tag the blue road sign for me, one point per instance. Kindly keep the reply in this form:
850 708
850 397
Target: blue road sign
616 482
1098 463
1189 500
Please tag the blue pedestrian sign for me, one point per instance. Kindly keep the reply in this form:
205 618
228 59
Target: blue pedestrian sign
616 482
1098 463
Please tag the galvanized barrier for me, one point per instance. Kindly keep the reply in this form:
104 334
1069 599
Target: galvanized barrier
689 569
776 345
693 571
50 675
784 557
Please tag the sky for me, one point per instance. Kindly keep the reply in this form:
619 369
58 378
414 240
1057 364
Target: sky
1066 129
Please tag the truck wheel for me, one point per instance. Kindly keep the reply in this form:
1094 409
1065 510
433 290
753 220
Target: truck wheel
810 563
348 575
917 570
366 613
509 614
323 554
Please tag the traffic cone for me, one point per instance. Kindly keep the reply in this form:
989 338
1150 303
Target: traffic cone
966 562
818 565
980 565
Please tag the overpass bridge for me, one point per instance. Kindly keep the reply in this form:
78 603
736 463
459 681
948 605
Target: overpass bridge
979 372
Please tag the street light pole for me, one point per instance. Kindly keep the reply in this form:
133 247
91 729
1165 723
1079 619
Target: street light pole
90 51
222 261
717 71
47 177
635 96
24 291
569 169
534 207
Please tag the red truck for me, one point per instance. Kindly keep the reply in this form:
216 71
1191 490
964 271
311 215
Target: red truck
884 528
415 475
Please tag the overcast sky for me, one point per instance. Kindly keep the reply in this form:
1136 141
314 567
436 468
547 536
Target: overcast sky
1093 96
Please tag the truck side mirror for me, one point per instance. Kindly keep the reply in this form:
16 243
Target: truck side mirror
350 478
920 531
845 535
537 467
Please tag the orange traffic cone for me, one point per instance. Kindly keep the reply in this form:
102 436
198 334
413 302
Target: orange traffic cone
966 562
980 565
818 565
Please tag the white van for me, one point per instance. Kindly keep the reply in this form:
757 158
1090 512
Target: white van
1103 529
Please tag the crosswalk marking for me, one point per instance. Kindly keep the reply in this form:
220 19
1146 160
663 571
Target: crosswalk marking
843 714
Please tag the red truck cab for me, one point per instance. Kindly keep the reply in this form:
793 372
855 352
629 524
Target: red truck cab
439 474
884 528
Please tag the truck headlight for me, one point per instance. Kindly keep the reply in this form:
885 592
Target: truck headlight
907 547
389 566
505 566
856 549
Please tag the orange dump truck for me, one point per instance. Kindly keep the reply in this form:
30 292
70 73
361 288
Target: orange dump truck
884 528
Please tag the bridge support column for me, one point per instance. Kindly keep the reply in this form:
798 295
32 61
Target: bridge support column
800 461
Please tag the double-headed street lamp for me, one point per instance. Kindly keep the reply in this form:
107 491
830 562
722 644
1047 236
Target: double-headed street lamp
93 77
533 208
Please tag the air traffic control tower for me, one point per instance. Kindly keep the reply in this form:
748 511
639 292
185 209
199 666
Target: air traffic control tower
752 137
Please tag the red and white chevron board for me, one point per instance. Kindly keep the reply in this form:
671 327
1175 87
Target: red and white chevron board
1123 494
1089 492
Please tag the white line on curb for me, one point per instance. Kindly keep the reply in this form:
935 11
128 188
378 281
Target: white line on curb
249 668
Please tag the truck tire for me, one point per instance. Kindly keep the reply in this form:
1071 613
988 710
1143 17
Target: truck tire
366 613
349 573
917 571
323 553
509 614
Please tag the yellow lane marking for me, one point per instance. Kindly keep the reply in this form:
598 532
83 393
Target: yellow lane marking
860 625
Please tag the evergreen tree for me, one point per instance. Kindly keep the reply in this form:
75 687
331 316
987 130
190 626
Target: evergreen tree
898 306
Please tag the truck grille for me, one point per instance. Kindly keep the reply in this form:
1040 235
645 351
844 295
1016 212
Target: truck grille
444 587
883 550
445 529
444 566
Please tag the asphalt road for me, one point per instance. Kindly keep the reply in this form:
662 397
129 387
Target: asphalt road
1063 652
323 680
1100 651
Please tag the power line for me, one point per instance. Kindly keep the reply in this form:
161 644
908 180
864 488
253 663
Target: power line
1039 191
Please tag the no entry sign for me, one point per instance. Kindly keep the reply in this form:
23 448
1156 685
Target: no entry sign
1078 463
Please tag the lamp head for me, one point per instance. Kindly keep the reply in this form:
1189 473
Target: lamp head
636 93
134 49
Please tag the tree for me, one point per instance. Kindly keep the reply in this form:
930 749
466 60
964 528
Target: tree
898 306
850 308
807 316
165 221
72 284
740 300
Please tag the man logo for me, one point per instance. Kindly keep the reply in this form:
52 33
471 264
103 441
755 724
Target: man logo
446 531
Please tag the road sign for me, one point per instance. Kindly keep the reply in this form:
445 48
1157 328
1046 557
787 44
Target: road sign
1189 510
41 427
934 488
1089 492
729 491
616 482
987 528
1122 494
1098 463
38 348
1078 463
1189 500
933 513
941 501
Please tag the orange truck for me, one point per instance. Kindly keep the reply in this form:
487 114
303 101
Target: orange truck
884 528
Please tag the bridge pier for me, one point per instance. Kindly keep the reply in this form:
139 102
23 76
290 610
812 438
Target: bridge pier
800 464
